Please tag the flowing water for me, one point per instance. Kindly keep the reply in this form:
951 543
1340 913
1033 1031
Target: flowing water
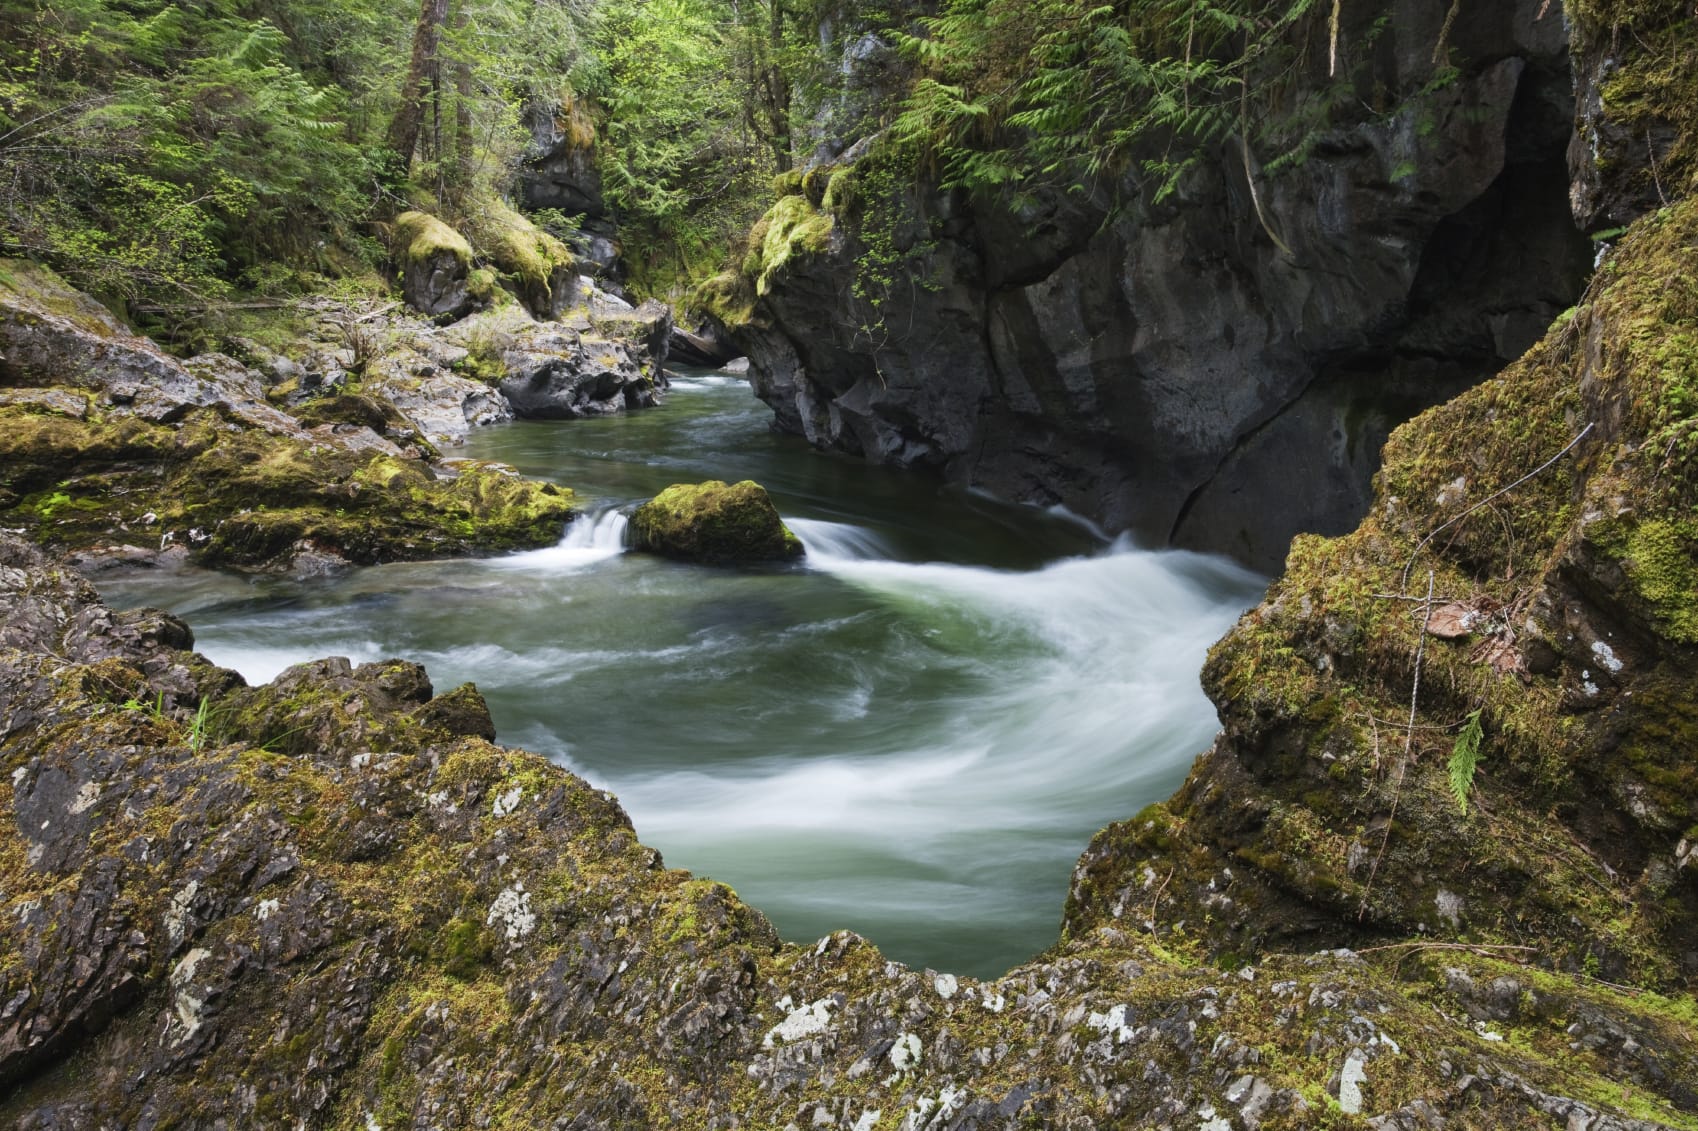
913 734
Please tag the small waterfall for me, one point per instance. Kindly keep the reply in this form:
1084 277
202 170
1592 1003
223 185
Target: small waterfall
838 541
590 538
604 531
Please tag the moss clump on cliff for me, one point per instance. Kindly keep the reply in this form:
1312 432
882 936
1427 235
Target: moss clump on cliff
714 523
792 227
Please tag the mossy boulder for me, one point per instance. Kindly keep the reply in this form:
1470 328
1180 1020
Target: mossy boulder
436 264
715 524
542 270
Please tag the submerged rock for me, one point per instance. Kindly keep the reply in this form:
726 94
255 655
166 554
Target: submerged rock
715 524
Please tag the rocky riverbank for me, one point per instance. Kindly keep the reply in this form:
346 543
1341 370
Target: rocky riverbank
335 449
331 901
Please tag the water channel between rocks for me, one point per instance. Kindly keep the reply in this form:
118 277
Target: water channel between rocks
912 735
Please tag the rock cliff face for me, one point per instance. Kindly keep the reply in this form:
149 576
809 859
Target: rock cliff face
1167 368
331 902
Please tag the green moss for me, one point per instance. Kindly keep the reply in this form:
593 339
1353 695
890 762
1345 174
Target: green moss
420 237
714 523
728 297
522 250
1659 560
794 227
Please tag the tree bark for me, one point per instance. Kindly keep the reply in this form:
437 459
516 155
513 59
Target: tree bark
422 72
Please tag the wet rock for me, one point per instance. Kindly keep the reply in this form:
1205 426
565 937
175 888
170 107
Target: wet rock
556 373
715 524
702 347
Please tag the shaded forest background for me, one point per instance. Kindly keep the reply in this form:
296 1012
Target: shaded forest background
168 157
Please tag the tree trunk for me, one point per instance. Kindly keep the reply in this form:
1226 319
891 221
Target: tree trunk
422 72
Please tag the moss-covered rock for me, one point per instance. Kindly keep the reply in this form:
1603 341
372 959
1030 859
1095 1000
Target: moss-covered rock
435 262
715 524
131 446
542 270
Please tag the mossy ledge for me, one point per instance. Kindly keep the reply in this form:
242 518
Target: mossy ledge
332 902
107 441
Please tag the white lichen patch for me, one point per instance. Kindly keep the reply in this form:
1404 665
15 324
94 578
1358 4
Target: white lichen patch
905 1053
1209 1120
178 916
512 910
1481 1028
1112 1023
85 798
507 803
1606 656
934 1112
1350 1081
946 985
186 1005
1450 907
808 1021
266 909
995 1002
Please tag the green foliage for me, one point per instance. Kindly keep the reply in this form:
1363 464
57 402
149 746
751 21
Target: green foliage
158 151
1464 757
680 165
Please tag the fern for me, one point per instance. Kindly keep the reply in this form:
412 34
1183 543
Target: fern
1464 756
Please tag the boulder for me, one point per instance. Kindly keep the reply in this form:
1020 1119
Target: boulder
436 263
648 328
714 524
541 270
553 372
440 403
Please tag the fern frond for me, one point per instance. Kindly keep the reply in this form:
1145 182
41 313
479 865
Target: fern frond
1464 757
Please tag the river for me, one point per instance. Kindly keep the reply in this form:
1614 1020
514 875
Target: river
913 734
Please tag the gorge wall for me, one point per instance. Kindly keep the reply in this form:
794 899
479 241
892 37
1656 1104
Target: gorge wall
1167 368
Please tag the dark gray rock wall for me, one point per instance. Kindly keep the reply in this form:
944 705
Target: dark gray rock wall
1166 368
